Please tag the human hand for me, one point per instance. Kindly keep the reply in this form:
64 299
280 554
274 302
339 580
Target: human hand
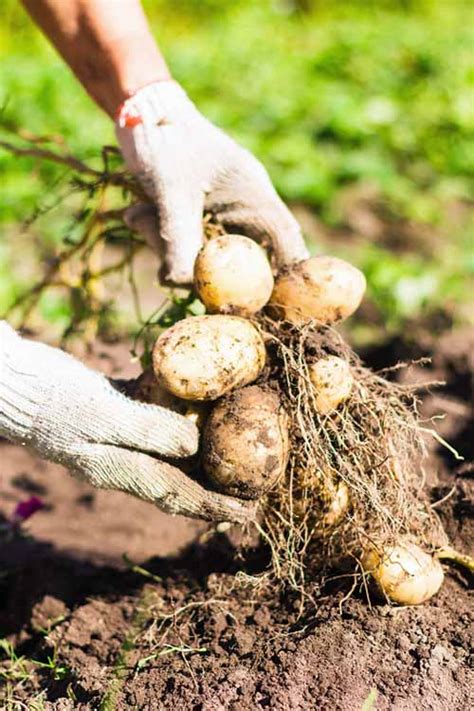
72 415
187 165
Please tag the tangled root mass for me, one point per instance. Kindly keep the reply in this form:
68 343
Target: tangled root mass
355 476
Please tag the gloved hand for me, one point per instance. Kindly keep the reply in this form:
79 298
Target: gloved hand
69 414
187 165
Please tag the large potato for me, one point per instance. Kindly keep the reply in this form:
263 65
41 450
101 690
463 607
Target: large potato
325 289
204 357
332 381
403 573
232 275
245 442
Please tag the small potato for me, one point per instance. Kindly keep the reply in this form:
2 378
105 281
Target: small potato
232 275
204 357
245 442
325 289
332 380
403 573
338 505
147 389
333 496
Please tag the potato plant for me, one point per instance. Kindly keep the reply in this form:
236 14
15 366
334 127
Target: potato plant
331 450
350 479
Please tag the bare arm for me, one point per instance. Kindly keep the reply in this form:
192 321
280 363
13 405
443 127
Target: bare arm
107 44
185 164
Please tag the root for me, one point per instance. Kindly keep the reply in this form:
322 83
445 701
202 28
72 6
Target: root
355 476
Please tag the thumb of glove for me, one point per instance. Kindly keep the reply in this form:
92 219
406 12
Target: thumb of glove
180 212
176 246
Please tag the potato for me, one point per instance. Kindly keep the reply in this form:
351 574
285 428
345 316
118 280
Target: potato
403 573
245 442
332 380
338 505
232 275
332 496
204 357
147 389
326 289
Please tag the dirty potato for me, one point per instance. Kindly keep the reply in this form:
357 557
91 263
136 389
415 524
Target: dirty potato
332 381
205 357
404 573
245 442
325 289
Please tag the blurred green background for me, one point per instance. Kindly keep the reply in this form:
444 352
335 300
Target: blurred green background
362 112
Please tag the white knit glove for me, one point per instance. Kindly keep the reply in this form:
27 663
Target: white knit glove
69 414
187 165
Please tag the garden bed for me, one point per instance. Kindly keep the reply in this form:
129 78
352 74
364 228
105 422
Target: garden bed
160 629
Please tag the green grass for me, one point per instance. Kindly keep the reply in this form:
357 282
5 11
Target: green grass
344 95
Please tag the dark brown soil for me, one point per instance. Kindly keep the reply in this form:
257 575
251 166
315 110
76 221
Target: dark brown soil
113 638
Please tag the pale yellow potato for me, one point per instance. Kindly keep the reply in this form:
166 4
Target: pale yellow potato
332 381
333 495
204 357
232 275
325 289
245 442
404 573
338 505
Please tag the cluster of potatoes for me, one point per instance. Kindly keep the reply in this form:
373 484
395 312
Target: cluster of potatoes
217 358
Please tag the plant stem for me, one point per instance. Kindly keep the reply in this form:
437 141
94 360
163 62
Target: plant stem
450 555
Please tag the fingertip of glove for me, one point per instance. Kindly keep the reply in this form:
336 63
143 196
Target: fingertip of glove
181 243
179 437
227 509
290 246
188 441
180 275
179 266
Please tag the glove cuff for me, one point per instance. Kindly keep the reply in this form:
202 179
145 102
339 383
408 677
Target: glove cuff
157 98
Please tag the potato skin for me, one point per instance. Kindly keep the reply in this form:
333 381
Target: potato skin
147 389
338 505
246 443
403 573
332 380
205 357
232 275
323 288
